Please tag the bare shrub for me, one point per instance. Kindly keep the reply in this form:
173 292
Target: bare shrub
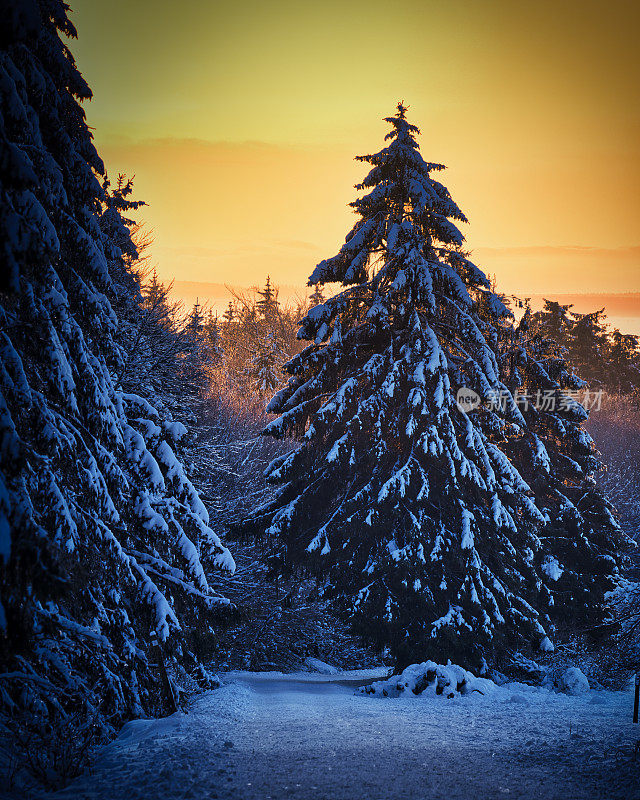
49 752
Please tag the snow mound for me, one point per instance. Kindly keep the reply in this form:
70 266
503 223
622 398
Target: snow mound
322 667
573 682
448 681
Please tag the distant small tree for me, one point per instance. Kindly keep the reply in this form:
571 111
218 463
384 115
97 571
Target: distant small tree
195 321
212 338
267 306
316 297
264 367
256 334
156 337
156 299
229 316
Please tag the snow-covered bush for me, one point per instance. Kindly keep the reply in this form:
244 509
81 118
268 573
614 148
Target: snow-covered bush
573 681
451 681
316 665
447 681
620 653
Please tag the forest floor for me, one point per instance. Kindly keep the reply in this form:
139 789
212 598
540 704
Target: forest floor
301 736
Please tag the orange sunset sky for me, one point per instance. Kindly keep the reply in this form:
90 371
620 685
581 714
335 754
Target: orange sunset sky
240 122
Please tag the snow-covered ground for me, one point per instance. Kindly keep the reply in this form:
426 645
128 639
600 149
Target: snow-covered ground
309 737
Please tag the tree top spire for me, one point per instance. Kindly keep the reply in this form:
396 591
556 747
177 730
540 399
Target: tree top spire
398 188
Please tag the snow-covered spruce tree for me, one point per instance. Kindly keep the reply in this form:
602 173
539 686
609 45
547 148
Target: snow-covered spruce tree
104 538
412 507
582 541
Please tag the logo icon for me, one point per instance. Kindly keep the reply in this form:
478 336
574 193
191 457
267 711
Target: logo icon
467 399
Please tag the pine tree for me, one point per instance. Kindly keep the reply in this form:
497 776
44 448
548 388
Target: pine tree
193 357
268 305
623 359
155 335
395 492
604 359
155 300
195 321
317 298
212 338
103 537
263 369
587 348
425 528
230 314
554 324
581 542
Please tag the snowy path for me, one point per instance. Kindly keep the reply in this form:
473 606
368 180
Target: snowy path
308 737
